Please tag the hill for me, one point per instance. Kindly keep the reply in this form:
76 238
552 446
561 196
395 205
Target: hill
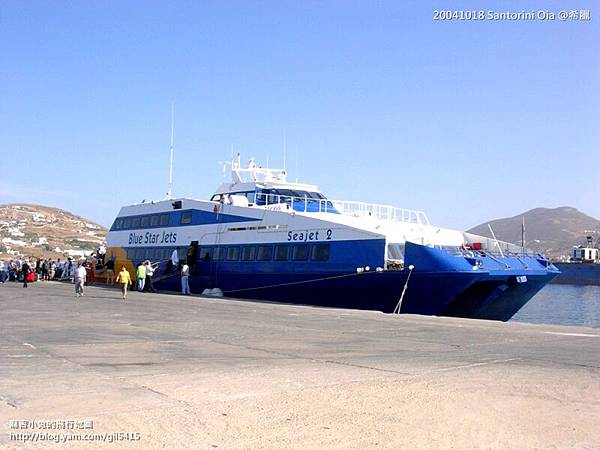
553 230
35 230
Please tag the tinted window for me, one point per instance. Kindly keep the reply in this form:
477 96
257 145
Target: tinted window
145 221
154 221
265 253
186 217
135 222
182 253
300 252
233 253
118 224
127 223
206 253
282 252
396 251
164 220
260 198
320 252
248 253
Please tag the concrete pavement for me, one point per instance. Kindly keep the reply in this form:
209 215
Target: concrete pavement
193 372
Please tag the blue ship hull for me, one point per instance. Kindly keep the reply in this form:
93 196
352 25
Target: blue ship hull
441 284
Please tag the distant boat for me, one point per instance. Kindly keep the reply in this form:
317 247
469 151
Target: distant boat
583 266
262 237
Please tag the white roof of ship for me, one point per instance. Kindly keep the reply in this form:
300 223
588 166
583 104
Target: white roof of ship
252 176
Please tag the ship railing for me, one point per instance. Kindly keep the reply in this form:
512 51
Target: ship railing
352 208
501 248
381 212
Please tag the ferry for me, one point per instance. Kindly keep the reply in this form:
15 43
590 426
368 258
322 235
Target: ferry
583 267
263 237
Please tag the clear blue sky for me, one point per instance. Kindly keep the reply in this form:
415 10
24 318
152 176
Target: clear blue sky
468 121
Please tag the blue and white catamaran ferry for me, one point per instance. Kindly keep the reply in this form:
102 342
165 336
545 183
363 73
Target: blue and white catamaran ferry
262 237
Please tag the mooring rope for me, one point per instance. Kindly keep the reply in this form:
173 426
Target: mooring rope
299 282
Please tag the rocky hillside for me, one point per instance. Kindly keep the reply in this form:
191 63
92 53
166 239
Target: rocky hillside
34 230
553 230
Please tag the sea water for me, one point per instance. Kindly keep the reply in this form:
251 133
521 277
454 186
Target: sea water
563 304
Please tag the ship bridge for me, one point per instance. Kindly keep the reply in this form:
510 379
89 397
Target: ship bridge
260 187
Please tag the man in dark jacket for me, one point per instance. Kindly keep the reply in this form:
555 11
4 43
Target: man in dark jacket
25 269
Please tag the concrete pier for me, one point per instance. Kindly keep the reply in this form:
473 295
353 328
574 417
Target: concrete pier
193 372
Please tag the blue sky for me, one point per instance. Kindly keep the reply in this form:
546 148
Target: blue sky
466 120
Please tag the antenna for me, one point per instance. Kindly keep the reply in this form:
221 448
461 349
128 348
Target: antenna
296 170
170 191
284 149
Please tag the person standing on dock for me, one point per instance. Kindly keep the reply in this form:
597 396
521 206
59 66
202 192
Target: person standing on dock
141 277
110 271
185 279
150 268
125 279
25 269
79 278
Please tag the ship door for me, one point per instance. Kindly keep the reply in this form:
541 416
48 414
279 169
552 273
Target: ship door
191 255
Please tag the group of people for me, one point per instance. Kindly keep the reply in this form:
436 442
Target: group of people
32 269
82 273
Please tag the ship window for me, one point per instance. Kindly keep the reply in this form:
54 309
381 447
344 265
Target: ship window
169 253
260 198
320 252
118 224
182 252
452 250
145 221
265 253
250 197
233 253
127 223
248 253
206 253
154 220
396 251
300 252
135 222
164 220
186 217
282 252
